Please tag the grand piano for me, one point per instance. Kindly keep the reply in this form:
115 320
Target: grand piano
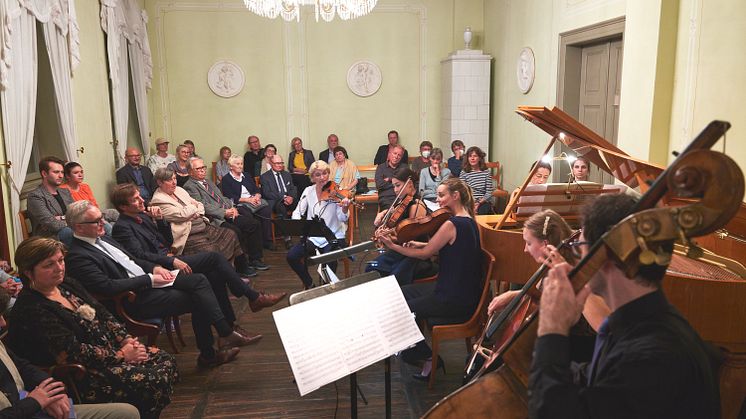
709 290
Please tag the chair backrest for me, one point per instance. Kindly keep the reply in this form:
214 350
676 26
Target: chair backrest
370 173
25 223
214 172
480 314
494 167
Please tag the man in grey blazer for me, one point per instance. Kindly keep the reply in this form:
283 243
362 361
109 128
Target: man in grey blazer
46 205
279 191
222 213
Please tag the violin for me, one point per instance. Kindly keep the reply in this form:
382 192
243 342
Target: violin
332 192
392 216
412 228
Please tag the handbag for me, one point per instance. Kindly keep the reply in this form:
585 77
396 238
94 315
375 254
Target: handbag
254 208
362 186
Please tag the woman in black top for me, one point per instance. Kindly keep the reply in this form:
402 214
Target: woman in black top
455 294
392 262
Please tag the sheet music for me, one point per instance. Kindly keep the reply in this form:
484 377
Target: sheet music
432 206
332 336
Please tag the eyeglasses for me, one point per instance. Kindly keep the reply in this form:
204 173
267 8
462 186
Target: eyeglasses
134 155
99 220
278 162
575 248
201 168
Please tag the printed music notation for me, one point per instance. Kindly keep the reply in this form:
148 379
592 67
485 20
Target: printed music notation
330 337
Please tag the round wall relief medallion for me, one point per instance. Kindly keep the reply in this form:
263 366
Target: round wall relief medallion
525 69
225 79
364 78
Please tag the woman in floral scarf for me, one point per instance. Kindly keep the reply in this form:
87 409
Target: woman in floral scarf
55 321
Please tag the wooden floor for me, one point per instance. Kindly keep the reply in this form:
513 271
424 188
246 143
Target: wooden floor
259 384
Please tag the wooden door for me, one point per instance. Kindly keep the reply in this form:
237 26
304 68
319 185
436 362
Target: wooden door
601 70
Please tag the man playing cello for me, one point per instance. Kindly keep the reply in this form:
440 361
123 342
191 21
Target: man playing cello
648 361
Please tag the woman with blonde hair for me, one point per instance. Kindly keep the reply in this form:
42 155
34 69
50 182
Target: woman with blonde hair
455 293
55 321
311 205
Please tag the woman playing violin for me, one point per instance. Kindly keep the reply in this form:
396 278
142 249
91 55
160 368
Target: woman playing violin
392 262
455 294
310 205
542 232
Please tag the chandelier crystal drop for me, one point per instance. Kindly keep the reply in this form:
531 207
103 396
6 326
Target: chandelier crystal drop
327 9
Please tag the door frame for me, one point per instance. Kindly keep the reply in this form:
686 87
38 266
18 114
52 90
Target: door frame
571 44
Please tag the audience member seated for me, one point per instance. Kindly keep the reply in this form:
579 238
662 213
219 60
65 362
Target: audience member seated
221 213
30 392
253 157
243 191
162 157
46 205
332 141
384 151
479 178
192 231
581 168
279 191
269 151
181 165
423 160
456 292
454 162
543 232
343 171
221 167
431 177
55 321
80 190
299 161
391 262
11 285
146 235
133 172
540 177
104 268
190 144
384 173
334 216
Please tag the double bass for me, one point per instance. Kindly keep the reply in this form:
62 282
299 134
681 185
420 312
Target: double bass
712 186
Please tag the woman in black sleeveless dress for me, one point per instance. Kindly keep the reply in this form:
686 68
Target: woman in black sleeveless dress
456 292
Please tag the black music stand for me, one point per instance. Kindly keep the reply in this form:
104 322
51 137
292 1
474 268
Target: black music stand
315 227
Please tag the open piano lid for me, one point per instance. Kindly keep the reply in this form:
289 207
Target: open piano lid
587 143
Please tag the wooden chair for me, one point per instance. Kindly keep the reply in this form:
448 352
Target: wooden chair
214 172
498 193
70 374
469 329
150 328
25 223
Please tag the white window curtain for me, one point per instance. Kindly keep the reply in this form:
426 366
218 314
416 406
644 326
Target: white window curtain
125 26
18 80
18 96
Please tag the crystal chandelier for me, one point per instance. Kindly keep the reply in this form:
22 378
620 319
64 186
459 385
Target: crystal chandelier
290 9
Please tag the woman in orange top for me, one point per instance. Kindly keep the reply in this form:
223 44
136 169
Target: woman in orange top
81 191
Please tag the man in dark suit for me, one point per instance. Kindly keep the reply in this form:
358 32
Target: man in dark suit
328 155
46 205
133 172
278 189
105 268
146 235
222 213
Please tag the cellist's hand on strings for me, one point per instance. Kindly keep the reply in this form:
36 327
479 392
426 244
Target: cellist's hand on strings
501 301
560 307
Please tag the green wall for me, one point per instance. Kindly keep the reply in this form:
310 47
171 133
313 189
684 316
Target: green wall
296 74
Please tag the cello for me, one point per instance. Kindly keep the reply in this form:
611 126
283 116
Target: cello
714 185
